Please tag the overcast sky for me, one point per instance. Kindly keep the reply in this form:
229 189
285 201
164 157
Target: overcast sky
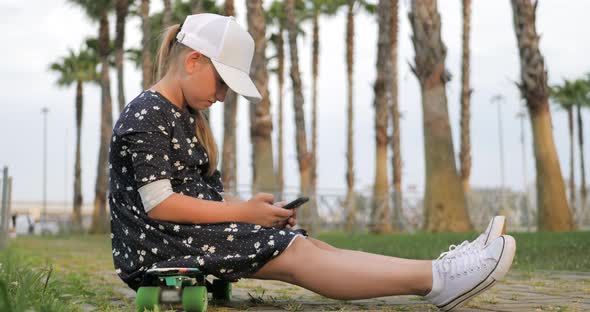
39 32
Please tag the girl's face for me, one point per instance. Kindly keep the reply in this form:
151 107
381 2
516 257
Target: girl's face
200 83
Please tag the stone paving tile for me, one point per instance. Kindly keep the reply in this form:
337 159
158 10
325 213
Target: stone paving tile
521 291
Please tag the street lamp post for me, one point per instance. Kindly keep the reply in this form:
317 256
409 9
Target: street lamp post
44 111
498 98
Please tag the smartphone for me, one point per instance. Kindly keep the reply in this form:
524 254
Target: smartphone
296 203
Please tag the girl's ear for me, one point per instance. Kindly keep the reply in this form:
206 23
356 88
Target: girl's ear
192 62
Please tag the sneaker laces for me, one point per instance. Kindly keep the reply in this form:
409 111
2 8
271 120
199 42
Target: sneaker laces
467 261
454 250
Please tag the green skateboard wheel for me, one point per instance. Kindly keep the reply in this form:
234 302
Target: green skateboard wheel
194 299
221 290
147 298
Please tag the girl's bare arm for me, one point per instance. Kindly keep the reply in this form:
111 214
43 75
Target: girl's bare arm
231 198
180 208
186 209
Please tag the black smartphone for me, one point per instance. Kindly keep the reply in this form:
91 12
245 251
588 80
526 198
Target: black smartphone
296 203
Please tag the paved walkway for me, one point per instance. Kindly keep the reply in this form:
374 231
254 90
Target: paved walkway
520 291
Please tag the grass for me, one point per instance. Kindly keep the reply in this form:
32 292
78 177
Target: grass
534 251
22 288
65 273
59 274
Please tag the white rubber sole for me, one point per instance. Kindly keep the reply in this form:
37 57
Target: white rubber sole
497 274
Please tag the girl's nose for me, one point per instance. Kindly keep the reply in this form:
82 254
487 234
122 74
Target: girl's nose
221 92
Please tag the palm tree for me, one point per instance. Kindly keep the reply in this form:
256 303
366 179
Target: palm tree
263 175
351 209
582 88
564 95
584 101
167 14
146 46
196 6
121 9
276 16
444 201
396 160
317 8
465 154
230 113
77 69
303 155
553 211
381 220
98 10
352 7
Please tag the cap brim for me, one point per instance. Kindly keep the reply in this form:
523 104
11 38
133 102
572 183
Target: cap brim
238 81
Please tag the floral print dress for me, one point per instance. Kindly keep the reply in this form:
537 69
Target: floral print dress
152 140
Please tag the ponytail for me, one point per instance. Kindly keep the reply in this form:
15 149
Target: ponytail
169 50
205 137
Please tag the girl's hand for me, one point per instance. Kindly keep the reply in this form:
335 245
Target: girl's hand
260 210
291 221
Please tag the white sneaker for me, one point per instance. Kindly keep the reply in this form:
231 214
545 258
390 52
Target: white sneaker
496 227
455 280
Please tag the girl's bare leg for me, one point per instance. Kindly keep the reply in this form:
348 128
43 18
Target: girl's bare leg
327 246
347 275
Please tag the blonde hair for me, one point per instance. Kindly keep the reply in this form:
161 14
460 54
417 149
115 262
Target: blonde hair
170 50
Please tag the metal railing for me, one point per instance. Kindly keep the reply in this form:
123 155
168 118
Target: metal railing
332 212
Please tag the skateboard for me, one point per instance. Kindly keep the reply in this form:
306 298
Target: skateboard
186 288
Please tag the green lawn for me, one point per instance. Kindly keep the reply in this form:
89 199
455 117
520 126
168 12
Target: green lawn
62 273
534 251
58 274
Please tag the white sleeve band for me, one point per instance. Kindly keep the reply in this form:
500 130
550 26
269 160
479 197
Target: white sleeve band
154 193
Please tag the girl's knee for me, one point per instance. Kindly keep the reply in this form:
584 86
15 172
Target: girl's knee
284 266
322 245
300 254
301 248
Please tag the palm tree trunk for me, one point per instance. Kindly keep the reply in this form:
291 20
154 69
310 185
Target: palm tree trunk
351 216
230 113
444 207
303 157
100 220
280 72
381 220
228 8
395 142
553 211
197 6
582 166
167 18
146 55
550 185
230 108
122 8
314 122
77 209
570 122
264 178
465 154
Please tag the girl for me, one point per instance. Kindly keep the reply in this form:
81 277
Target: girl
168 208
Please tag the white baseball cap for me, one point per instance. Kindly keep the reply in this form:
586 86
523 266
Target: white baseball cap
228 45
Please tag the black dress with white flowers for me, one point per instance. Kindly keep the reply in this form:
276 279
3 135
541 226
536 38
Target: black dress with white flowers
152 140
